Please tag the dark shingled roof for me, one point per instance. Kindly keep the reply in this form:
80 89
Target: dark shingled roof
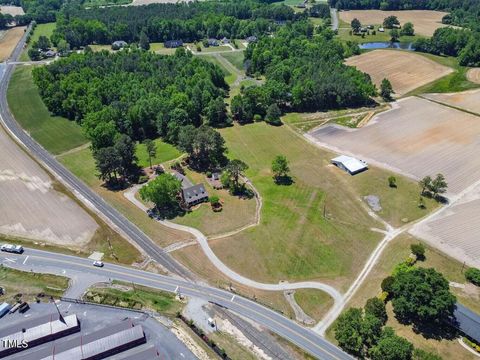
467 322
194 193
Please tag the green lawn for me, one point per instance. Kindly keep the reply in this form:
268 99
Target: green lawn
236 212
54 133
315 228
94 3
454 82
40 29
344 34
138 297
295 241
229 76
165 152
236 58
314 303
30 284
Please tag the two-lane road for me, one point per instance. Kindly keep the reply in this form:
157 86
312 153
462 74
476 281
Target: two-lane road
73 183
53 263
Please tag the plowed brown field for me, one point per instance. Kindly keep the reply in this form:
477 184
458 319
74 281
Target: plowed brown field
405 70
424 21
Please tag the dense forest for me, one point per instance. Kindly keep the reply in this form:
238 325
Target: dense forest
136 93
161 22
303 72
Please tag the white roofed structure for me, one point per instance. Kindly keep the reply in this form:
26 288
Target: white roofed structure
349 164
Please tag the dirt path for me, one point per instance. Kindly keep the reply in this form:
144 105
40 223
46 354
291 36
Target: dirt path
473 75
203 242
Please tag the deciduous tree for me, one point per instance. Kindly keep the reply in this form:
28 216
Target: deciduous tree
162 191
151 150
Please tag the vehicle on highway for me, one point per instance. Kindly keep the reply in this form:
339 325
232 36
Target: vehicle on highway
98 263
17 249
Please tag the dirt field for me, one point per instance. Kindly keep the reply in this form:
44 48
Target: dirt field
11 10
30 206
474 75
405 70
417 138
424 21
468 100
455 231
9 40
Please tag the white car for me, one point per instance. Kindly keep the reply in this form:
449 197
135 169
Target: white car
98 263
17 249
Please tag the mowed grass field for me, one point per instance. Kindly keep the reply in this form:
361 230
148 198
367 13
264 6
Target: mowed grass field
30 284
397 251
316 228
40 30
54 133
295 241
235 58
405 70
425 22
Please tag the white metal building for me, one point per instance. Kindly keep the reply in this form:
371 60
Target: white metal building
349 164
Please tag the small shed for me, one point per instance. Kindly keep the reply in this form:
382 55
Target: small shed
467 322
349 164
251 39
119 44
4 308
194 195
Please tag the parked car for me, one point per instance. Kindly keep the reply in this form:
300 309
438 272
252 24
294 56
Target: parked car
17 249
98 263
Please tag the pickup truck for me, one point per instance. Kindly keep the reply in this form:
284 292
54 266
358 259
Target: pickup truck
12 248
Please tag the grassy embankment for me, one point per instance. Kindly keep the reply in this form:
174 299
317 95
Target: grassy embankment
344 35
137 297
29 285
396 252
40 29
454 82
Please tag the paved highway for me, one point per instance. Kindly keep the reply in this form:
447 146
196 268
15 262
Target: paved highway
78 187
45 262
80 268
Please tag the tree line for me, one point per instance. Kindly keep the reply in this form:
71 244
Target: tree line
461 43
41 11
189 22
303 73
135 95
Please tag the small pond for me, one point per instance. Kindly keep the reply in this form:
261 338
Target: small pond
387 45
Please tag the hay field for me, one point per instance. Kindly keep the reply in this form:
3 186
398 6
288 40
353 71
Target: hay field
405 70
11 10
9 40
31 208
468 100
424 21
417 138
473 75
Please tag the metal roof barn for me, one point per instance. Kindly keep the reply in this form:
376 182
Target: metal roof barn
349 164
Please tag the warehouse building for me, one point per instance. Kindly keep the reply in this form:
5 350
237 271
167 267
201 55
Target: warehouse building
36 331
96 345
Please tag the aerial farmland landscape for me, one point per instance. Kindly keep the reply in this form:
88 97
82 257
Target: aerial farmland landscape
240 179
